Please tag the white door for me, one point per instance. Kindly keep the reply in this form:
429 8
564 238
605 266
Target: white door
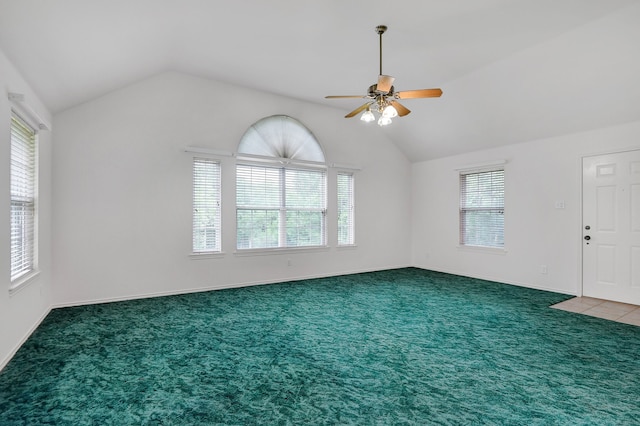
611 227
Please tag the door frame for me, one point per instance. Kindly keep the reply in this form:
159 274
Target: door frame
580 289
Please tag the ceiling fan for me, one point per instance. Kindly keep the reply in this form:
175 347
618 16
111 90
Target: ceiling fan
382 96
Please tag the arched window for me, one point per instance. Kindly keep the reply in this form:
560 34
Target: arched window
281 186
280 136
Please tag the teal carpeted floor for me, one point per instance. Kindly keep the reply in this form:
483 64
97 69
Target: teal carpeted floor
402 347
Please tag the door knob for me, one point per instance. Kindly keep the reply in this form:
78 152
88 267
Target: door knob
586 237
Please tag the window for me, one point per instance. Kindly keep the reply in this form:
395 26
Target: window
482 208
281 195
281 137
280 207
206 206
345 209
23 199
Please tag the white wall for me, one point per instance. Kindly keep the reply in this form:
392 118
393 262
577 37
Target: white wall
22 310
122 210
538 174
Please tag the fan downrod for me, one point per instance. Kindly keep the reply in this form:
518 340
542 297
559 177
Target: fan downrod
380 29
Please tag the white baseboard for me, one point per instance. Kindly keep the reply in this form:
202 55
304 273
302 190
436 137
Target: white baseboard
33 328
219 287
497 280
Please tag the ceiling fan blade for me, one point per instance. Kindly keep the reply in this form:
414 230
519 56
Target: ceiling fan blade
384 83
402 110
424 93
345 97
357 110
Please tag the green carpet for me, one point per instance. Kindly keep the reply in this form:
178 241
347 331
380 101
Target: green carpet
403 346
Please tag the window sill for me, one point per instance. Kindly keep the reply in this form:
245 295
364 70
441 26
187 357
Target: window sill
483 249
279 250
23 281
207 255
347 247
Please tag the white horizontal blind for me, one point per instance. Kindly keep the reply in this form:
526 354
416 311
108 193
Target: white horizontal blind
345 209
207 229
279 207
482 208
258 200
23 197
305 204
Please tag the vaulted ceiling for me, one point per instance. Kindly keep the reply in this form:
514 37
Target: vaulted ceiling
511 70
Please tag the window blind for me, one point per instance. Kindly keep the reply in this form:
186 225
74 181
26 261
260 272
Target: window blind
23 198
345 209
482 208
305 201
258 200
279 207
206 206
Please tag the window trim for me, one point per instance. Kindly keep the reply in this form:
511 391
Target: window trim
280 142
218 249
352 208
275 163
29 275
280 250
479 169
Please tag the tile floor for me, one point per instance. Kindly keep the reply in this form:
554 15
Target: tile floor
614 311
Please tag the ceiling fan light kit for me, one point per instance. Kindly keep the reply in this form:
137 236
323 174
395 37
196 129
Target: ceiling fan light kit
383 98
367 116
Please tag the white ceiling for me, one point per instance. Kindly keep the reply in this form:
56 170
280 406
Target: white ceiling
511 70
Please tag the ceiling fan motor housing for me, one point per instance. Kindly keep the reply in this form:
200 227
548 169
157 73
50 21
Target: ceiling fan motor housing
373 91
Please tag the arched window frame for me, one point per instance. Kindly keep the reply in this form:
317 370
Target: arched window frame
281 187
282 139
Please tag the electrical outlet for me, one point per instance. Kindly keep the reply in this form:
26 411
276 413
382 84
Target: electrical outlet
288 262
544 270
